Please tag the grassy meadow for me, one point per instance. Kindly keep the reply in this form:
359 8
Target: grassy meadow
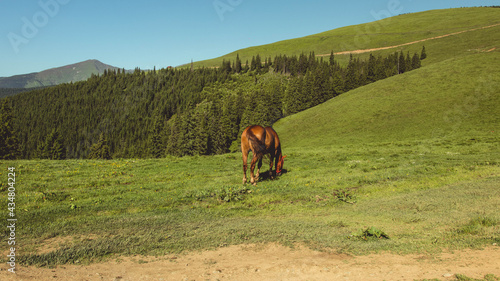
410 164
425 196
406 167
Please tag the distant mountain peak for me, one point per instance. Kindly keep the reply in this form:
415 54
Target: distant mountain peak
65 74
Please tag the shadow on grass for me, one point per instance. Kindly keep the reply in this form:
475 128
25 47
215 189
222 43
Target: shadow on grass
264 176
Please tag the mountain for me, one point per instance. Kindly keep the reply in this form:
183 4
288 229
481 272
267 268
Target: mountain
54 76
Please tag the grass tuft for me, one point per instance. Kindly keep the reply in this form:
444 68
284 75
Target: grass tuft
369 233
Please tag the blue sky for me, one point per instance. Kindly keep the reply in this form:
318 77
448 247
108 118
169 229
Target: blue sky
41 34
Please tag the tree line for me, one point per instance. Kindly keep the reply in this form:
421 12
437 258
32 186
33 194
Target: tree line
179 111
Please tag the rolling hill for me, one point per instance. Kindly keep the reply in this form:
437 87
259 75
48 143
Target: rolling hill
455 95
445 33
54 76
457 98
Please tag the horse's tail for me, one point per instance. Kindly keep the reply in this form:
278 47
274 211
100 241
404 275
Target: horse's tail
258 146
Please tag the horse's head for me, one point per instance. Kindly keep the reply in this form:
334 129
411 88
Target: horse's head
280 165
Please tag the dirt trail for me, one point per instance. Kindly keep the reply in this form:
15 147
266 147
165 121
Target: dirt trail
409 43
274 262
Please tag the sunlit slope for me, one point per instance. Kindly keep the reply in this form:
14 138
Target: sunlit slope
458 97
393 31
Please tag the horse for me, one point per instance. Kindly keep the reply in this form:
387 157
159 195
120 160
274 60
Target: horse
260 141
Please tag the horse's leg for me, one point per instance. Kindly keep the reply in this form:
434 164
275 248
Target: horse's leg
258 169
245 165
253 180
271 167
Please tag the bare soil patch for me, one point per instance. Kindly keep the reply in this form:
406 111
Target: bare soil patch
274 262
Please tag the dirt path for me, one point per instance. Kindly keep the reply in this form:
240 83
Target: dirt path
409 43
275 262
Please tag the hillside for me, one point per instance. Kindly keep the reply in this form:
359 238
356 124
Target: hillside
393 31
54 76
456 98
202 112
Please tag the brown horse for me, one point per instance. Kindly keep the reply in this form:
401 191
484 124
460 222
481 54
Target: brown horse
260 141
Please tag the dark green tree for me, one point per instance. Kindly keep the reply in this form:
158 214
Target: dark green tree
253 64
372 69
188 132
8 140
401 63
423 54
258 63
416 63
201 134
100 149
237 65
156 146
351 76
246 68
51 147
226 66
294 99
408 62
332 60
173 131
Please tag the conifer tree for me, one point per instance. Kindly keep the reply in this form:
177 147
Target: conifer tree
401 63
156 147
8 140
100 149
371 76
258 63
423 54
351 79
332 60
237 66
201 137
294 100
253 64
416 63
408 62
51 147
174 133
246 68
186 140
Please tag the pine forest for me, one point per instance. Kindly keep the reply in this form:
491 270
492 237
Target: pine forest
178 111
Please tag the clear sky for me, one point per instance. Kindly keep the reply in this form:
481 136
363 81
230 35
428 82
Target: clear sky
39 34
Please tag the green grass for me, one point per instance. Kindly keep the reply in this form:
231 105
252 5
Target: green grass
456 99
155 207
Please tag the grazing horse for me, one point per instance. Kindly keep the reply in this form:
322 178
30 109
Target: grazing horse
260 141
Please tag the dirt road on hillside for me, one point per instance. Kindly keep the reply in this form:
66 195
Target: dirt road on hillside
405 44
275 262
